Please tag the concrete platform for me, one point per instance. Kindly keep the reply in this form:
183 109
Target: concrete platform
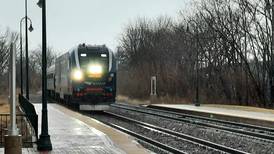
251 115
123 141
72 133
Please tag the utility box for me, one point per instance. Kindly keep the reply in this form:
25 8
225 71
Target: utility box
153 89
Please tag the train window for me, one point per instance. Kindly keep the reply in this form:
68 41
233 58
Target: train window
93 57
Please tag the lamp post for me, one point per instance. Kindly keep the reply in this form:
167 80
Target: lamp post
44 143
272 60
27 50
196 101
270 7
21 51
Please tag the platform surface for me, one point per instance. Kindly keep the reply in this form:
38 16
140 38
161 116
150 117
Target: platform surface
70 135
229 110
73 133
125 142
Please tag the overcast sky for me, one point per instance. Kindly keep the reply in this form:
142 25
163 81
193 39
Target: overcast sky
70 22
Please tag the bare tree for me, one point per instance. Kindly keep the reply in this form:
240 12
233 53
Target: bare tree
232 39
6 38
36 65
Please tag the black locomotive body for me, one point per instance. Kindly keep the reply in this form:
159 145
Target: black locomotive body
85 76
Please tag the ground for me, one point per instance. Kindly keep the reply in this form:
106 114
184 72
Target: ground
4 105
160 100
121 98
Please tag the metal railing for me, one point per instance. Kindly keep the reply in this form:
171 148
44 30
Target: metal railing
25 129
30 113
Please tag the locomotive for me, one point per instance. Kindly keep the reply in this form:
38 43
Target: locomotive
85 76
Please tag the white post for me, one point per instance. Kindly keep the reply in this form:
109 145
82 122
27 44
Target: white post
153 89
12 98
153 86
13 141
270 8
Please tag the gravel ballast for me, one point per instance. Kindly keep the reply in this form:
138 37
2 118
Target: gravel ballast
240 142
175 142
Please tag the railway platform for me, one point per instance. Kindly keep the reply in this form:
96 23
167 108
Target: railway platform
250 115
72 132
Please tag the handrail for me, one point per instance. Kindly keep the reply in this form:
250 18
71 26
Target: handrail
30 112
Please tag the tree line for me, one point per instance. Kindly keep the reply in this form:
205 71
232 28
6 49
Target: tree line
35 61
227 41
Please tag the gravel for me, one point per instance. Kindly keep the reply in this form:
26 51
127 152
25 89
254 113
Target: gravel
208 121
232 126
172 141
152 148
228 139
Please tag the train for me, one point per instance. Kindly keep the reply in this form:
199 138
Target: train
85 77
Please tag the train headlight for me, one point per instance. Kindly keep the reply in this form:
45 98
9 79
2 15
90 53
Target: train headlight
95 70
77 75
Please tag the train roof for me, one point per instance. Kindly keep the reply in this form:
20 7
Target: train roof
88 46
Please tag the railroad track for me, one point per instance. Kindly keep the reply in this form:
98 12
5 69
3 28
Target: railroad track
259 128
233 127
160 130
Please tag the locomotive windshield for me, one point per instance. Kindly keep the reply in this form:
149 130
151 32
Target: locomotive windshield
95 63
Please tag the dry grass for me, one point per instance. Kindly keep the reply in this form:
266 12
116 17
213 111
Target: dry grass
3 99
126 99
160 100
4 106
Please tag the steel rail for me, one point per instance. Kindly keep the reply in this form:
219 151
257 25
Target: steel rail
180 135
233 130
146 139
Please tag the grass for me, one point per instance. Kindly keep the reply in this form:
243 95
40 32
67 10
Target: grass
4 105
158 100
121 98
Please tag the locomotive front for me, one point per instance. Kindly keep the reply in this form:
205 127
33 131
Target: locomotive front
94 78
